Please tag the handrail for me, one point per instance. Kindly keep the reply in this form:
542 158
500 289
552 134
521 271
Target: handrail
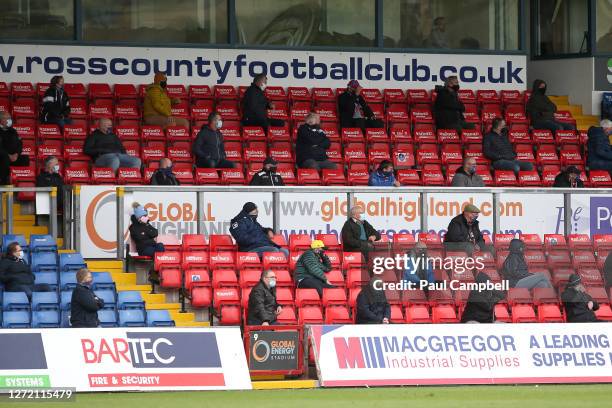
6 223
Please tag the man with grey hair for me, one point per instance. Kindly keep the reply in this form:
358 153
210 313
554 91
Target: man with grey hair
263 307
357 234
11 147
106 150
50 177
312 144
466 174
600 151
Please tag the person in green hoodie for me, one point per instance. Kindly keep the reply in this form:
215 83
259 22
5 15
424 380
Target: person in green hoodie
311 267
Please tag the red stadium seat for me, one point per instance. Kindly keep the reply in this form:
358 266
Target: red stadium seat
221 242
168 264
308 177
223 277
103 175
77 175
23 90
232 176
310 315
274 260
337 315
444 314
523 314
129 176
334 296
200 92
417 314
307 297
505 178
299 93
206 176
225 92
529 178
24 108
579 242
100 91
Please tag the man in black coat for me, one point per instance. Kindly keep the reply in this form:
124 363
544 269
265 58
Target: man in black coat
84 304
579 305
542 110
498 149
448 108
312 144
463 233
164 176
106 150
569 178
354 110
50 177
263 307
16 275
372 304
480 306
357 234
268 175
56 104
255 105
209 148
11 148
143 233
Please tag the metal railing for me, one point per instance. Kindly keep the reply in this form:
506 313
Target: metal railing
7 198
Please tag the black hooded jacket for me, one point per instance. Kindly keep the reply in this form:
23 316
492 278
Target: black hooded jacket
576 306
372 306
262 305
143 235
480 305
459 231
255 105
56 104
311 143
515 268
346 108
562 180
84 307
248 233
448 108
539 106
10 141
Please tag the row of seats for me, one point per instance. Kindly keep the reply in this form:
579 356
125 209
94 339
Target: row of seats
18 319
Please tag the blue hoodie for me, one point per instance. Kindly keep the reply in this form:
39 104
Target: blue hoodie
379 179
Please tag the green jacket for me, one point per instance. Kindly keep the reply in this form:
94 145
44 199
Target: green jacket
312 265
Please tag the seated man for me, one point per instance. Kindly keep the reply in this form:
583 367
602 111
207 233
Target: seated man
208 148
354 110
250 235
50 177
480 306
157 108
498 149
372 305
418 267
311 267
11 148
357 234
466 174
542 110
312 144
463 233
580 307
164 176
516 270
263 307
569 178
56 104
16 275
383 176
84 304
255 105
143 233
268 175
106 150
598 145
448 108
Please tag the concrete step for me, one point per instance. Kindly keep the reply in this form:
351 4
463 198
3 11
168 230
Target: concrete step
575 110
141 288
104 265
122 278
559 99
163 306
192 324
177 316
153 298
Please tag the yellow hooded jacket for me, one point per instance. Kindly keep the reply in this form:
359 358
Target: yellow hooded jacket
157 101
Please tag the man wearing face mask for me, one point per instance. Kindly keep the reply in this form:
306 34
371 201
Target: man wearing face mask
164 176
263 307
357 234
143 233
311 267
16 275
11 148
354 110
50 177
250 235
598 146
268 175
255 105
463 233
56 104
157 107
466 175
516 271
580 307
84 304
312 144
496 147
569 178
541 109
209 148
448 108
106 150
383 176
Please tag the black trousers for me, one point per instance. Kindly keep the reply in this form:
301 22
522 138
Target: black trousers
314 283
264 123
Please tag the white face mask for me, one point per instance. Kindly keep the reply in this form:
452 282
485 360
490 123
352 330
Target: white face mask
219 124
56 168
19 254
263 86
9 123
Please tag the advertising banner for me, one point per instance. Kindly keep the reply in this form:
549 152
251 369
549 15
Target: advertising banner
143 359
380 355
273 350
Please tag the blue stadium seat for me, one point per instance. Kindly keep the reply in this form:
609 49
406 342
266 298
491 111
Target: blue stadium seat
65 319
15 301
16 319
67 280
42 243
50 278
109 298
159 318
71 262
132 318
45 318
44 261
65 299
103 280
45 301
108 318
130 299
10 238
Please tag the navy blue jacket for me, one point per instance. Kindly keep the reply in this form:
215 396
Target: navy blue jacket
248 233
599 148
379 179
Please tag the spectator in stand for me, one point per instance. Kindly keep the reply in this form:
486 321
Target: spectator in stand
311 267
418 267
157 108
542 110
263 307
16 275
372 304
448 108
516 271
106 150
209 148
357 234
164 176
11 148
579 305
480 305
312 144
463 232
383 176
143 233
250 235
466 175
438 37
268 175
598 146
56 104
50 177
569 178
255 105
498 149
84 304
354 110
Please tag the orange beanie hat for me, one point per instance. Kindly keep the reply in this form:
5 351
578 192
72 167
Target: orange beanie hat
159 76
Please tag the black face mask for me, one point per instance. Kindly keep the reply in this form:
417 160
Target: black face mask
542 90
272 169
163 84
455 87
